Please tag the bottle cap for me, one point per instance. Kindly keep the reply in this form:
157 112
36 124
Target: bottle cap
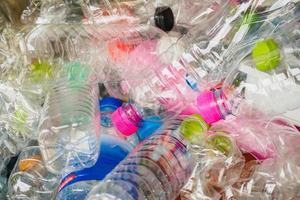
107 106
193 127
113 151
208 107
221 142
164 18
109 103
149 126
266 55
122 122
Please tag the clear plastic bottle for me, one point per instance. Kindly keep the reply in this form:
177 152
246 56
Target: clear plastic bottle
217 42
264 78
154 87
158 13
157 169
30 178
70 124
77 185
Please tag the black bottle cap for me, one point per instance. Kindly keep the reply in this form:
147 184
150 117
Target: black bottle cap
164 18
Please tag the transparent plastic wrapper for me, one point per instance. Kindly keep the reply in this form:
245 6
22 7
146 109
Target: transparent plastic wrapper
219 161
157 169
30 178
215 43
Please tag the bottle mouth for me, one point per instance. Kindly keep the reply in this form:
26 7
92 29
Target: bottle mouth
126 119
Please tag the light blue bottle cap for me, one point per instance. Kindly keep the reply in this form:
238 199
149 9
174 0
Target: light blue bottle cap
149 126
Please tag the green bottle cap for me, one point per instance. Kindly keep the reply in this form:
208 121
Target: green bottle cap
193 127
266 55
76 71
40 71
221 142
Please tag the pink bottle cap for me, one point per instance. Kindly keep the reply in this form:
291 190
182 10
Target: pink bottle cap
122 123
208 107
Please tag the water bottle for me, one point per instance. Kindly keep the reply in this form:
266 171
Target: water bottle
263 79
156 93
157 169
132 52
160 14
215 44
77 185
30 178
69 129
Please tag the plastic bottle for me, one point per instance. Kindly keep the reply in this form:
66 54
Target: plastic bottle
77 185
148 126
157 169
69 129
154 87
30 178
264 78
159 14
132 51
216 43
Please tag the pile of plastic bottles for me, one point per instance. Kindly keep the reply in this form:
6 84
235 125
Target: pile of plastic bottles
149 99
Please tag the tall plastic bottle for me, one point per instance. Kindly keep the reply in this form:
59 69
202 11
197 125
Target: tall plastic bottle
69 129
77 185
157 169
